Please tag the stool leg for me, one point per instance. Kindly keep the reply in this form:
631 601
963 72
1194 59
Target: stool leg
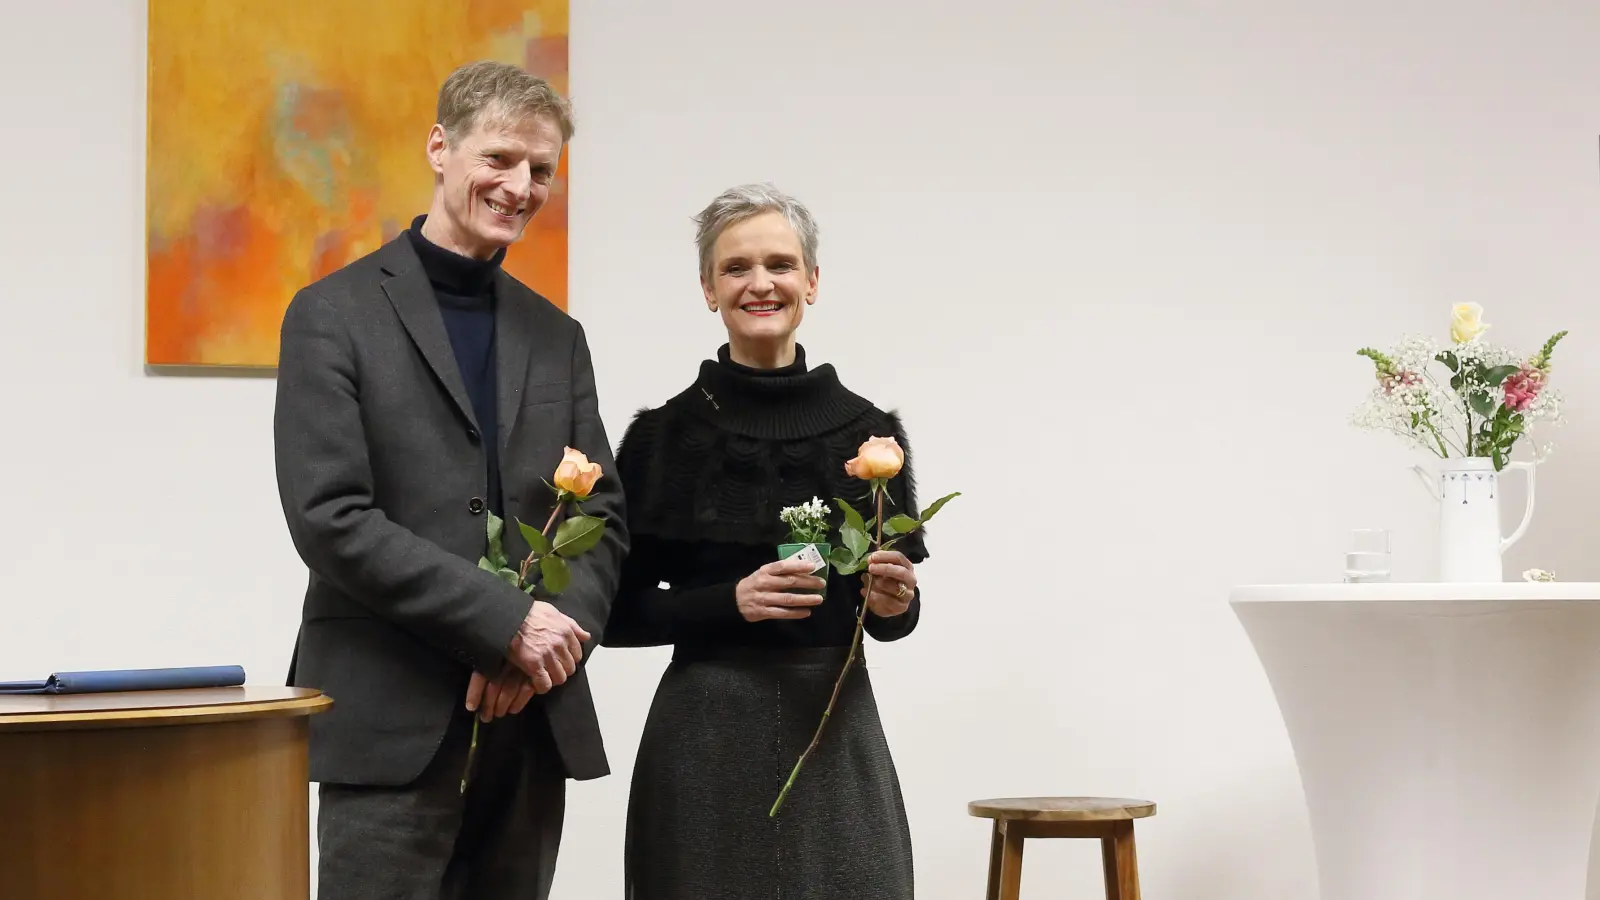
996 842
1121 862
1010 887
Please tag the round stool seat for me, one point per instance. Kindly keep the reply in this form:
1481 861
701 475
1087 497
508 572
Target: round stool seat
1060 809
1108 820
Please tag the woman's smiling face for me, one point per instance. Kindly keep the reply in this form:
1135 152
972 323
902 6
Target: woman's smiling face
759 283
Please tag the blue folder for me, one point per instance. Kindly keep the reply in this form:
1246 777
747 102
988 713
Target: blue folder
112 680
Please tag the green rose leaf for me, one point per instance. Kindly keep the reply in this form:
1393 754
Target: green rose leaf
578 535
497 552
509 576
937 505
1497 375
556 574
855 539
901 524
537 542
1482 404
844 562
852 519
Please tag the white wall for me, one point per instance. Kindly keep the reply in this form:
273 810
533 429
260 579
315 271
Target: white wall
1049 231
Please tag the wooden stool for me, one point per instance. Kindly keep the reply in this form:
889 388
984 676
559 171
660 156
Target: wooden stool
1019 818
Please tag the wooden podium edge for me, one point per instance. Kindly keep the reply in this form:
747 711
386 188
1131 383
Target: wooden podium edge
153 716
157 795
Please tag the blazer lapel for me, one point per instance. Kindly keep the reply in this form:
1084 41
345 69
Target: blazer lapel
514 334
412 296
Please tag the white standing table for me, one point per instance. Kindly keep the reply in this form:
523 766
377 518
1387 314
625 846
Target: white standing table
1447 735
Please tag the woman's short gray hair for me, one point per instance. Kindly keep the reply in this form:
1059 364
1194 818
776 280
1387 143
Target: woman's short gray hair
745 201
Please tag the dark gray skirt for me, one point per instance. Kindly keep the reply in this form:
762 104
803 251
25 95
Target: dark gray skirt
723 733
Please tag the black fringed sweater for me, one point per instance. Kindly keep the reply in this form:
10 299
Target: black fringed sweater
705 476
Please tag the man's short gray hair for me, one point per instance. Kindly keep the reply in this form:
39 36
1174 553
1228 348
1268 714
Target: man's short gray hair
501 91
745 201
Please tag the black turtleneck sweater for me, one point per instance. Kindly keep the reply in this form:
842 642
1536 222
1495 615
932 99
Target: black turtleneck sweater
465 290
706 475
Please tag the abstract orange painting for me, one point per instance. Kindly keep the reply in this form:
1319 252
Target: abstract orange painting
286 139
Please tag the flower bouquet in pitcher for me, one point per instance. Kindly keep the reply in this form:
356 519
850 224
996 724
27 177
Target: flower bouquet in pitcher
1470 403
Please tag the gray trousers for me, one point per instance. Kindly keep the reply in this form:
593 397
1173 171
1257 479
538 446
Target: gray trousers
426 841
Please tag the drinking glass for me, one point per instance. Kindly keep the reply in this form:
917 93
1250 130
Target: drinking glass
1368 558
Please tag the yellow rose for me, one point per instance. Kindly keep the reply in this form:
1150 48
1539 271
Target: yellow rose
1466 322
576 475
879 457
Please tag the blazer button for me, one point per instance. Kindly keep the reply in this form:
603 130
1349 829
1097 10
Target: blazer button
475 505
472 435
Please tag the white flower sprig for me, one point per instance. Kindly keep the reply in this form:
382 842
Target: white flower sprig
808 522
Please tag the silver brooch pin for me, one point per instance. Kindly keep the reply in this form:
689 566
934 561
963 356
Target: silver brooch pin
712 399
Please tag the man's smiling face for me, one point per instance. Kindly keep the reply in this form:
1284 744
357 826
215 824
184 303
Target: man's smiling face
490 183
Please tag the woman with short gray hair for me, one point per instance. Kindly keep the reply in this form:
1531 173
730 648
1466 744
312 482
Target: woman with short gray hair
758 642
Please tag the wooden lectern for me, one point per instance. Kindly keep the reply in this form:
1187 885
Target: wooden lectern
157 795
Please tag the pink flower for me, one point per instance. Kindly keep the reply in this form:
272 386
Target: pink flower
1397 380
1522 388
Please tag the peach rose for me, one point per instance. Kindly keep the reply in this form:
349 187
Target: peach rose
879 457
576 475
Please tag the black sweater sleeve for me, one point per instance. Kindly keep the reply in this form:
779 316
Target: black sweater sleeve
645 614
896 627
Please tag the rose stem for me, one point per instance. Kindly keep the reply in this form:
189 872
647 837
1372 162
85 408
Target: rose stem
855 643
472 750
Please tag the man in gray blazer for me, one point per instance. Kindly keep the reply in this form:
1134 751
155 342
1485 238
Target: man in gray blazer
419 389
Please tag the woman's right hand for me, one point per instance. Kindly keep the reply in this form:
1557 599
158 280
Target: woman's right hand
761 594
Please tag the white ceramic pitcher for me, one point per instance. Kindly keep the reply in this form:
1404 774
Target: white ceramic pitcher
1468 491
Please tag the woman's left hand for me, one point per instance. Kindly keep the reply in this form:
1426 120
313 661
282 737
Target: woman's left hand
894 583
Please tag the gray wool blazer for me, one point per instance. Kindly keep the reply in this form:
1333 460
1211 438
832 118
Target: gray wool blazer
381 475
